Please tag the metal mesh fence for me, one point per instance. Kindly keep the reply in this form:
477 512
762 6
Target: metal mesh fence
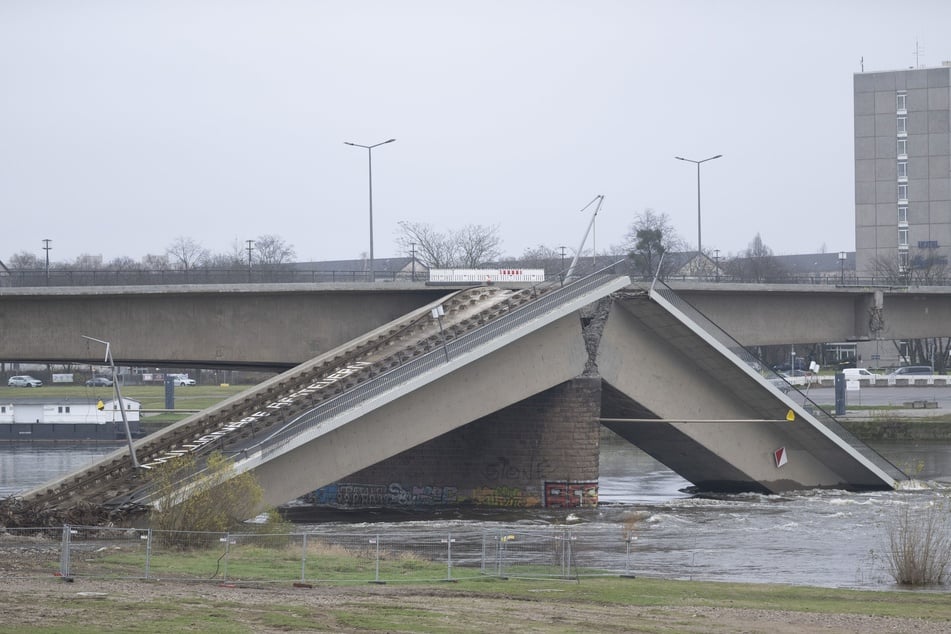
321 556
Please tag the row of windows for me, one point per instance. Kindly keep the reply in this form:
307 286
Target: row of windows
902 151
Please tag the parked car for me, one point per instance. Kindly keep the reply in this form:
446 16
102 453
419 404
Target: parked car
913 369
24 381
99 381
182 379
854 374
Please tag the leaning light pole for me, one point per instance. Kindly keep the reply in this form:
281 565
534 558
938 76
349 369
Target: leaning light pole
115 387
698 164
369 149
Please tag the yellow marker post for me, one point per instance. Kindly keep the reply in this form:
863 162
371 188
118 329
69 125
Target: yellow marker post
100 405
790 416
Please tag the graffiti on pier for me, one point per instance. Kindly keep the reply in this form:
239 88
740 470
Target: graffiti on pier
504 496
562 494
394 494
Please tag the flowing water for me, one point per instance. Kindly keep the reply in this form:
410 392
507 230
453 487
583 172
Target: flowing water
821 538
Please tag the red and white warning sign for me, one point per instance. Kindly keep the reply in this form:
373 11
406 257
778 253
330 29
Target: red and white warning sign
780 456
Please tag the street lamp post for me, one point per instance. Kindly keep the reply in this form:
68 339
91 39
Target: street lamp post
698 164
115 387
47 247
250 249
842 257
369 149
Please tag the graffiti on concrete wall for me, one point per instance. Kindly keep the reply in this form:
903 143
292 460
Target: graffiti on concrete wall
562 494
511 497
394 494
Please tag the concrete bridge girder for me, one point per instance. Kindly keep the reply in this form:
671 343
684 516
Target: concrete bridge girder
776 314
258 325
718 426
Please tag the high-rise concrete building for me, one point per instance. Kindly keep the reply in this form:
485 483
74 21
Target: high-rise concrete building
902 169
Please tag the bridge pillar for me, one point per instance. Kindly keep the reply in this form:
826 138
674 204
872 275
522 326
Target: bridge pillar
542 451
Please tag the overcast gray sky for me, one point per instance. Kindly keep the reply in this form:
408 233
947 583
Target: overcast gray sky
124 125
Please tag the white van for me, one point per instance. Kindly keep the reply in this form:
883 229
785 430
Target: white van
854 374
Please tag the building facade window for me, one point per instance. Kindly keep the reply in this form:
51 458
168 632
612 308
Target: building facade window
902 169
901 99
927 244
903 148
903 261
902 125
903 237
903 214
902 191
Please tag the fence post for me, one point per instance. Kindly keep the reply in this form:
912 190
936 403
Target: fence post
227 555
64 552
376 541
449 557
568 553
482 566
627 560
303 559
148 553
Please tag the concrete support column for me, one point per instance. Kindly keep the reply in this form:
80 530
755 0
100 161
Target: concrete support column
542 451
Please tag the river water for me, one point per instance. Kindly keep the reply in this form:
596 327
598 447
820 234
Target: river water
819 538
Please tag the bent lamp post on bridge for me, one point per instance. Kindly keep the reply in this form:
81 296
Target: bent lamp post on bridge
438 313
369 149
698 164
115 387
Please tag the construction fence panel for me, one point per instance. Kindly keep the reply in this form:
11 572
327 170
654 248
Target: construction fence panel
30 552
104 552
187 555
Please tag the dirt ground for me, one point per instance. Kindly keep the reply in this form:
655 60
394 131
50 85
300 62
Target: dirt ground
28 604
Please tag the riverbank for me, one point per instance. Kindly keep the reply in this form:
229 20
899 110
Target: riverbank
917 425
602 604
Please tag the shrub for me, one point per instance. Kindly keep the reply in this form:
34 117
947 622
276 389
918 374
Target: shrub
215 501
918 549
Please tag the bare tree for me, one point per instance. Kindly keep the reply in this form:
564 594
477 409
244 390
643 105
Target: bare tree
272 251
23 260
86 262
235 257
432 248
648 238
123 263
477 245
152 262
756 264
186 254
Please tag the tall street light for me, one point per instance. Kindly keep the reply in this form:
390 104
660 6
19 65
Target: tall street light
698 164
47 247
369 149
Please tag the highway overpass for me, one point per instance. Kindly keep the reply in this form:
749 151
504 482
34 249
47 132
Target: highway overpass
277 326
